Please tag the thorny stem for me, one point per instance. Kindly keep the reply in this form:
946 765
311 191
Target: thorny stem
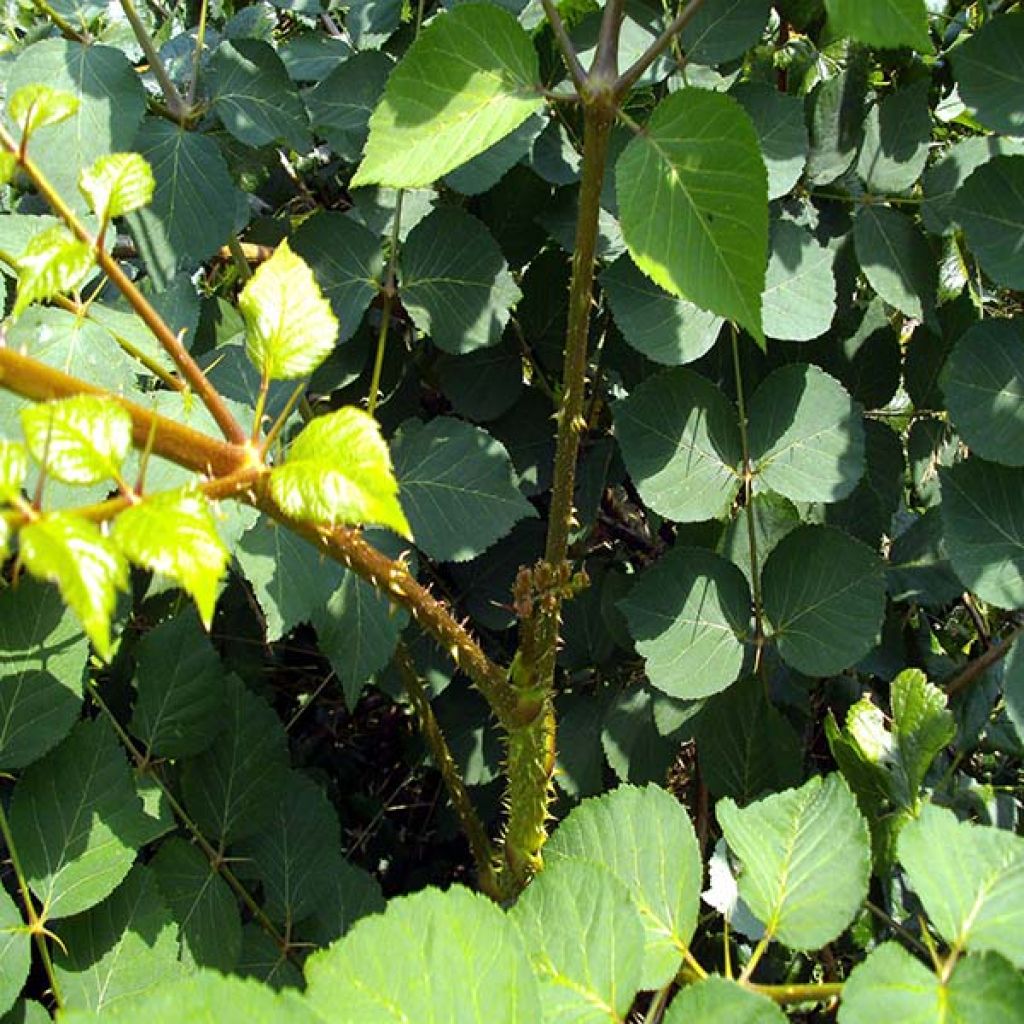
175 103
36 924
188 367
748 503
632 74
479 843
216 857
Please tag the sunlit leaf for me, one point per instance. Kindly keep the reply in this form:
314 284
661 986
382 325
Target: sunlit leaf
34 106
13 469
117 184
52 263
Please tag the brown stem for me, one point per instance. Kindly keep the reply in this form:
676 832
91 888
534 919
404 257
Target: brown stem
973 669
472 826
606 60
632 74
189 369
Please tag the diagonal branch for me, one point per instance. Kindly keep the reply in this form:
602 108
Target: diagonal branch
568 51
631 75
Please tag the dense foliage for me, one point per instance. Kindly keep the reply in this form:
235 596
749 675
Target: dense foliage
569 451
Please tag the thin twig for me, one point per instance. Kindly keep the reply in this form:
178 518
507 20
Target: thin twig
175 103
632 74
568 51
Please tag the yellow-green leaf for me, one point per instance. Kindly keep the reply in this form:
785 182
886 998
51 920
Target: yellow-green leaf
116 184
35 106
174 534
339 471
80 440
13 469
5 532
8 165
290 329
54 261
87 568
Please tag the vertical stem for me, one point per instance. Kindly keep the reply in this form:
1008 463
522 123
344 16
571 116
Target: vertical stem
177 106
472 826
197 57
748 503
238 257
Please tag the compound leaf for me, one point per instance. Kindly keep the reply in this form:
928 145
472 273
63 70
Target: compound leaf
806 857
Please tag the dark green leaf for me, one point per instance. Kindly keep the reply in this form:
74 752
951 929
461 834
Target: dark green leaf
781 130
340 105
799 298
883 23
989 70
897 131
15 952
723 30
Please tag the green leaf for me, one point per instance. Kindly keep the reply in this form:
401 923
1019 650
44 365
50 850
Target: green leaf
892 985
696 173
824 595
53 262
35 106
180 682
290 329
983 520
340 105
681 444
585 937
79 821
884 23
716 1000
206 996
688 614
15 952
745 745
202 905
420 959
989 71
470 78
897 131
921 726
970 879
644 837
118 949
86 567
338 470
231 788
43 655
13 469
117 184
193 207
837 120
896 260
457 488
781 132
351 893
658 325
297 854
80 440
456 285
942 180
799 298
724 30
990 208
173 534
806 435
254 97
8 168
806 858
111 99
347 263
983 381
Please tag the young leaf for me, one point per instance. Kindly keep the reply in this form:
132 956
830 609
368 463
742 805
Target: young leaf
117 184
921 726
884 23
338 470
970 879
824 594
43 654
173 534
680 440
990 74
290 329
688 614
53 262
585 937
469 79
418 960
35 106
644 837
13 469
80 440
983 519
696 172
118 949
79 821
806 858
457 486
806 435
716 999
84 564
